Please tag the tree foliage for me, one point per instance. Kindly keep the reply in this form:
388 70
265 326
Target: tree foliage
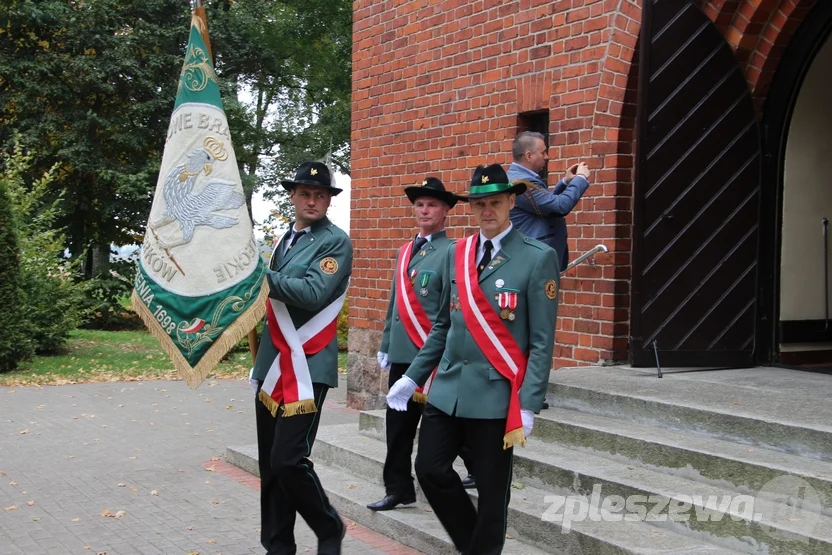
11 350
90 86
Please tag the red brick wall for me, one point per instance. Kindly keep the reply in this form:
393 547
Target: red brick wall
437 89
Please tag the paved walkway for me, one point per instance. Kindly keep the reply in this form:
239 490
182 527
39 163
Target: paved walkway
138 467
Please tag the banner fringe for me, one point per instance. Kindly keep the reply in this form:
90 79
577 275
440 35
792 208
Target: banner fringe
420 397
514 437
194 376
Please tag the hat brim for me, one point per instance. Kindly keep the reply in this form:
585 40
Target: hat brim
414 193
516 188
289 185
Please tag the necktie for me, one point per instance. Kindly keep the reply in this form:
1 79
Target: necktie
295 238
486 257
417 246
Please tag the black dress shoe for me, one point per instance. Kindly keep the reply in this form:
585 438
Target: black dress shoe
391 502
469 483
332 546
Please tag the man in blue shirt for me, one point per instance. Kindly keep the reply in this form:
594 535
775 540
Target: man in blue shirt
539 213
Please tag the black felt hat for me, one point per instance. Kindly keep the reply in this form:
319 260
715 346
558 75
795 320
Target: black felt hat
312 173
491 180
431 187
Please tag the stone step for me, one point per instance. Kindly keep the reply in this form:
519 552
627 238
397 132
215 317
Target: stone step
564 471
773 408
360 455
685 454
413 525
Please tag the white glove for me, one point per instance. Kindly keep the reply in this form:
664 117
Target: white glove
251 381
383 361
528 421
400 393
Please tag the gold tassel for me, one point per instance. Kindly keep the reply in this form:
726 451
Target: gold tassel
306 406
420 397
229 338
514 437
270 403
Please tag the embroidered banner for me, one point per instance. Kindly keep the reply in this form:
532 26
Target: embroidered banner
199 286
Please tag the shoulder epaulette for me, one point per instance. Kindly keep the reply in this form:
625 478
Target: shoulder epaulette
535 243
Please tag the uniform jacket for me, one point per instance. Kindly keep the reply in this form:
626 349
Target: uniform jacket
299 280
539 213
466 384
429 262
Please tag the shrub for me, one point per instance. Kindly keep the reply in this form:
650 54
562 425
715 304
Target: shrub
12 343
51 301
344 326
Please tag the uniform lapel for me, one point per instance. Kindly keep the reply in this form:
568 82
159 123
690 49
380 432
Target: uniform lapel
426 251
502 256
304 242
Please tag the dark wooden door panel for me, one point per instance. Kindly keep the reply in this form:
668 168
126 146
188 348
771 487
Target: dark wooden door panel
696 196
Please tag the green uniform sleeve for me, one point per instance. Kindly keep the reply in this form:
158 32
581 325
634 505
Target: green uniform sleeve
542 321
320 282
388 320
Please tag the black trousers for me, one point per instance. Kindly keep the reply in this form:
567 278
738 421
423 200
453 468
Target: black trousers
479 531
288 483
401 432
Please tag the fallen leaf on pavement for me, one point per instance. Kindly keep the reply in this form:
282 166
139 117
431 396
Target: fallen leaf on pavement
212 541
30 503
212 458
121 485
24 432
215 502
190 527
107 513
509 537
76 520
2 473
10 508
134 490
211 468
120 514
13 483
154 492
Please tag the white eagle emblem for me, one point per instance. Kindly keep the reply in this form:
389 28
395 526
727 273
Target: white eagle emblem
191 209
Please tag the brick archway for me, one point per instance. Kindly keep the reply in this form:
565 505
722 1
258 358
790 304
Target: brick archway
759 31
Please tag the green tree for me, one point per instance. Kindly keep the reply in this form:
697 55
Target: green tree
12 340
90 86
51 301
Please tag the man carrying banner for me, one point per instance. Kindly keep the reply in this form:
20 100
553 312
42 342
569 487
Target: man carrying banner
493 340
297 363
411 311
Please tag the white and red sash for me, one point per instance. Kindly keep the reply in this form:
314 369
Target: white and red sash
491 335
288 381
414 318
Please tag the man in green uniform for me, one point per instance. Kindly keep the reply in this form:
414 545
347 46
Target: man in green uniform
297 363
411 311
493 342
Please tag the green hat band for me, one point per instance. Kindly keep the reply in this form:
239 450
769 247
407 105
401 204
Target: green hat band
490 188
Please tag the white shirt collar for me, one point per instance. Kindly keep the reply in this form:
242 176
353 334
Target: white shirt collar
428 237
295 230
495 242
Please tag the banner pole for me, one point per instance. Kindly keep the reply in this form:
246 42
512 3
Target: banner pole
253 344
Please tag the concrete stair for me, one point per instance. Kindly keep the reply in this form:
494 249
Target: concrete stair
622 435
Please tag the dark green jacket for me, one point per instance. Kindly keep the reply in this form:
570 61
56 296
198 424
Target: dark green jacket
429 262
304 279
466 384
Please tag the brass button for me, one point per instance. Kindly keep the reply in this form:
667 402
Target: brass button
464 362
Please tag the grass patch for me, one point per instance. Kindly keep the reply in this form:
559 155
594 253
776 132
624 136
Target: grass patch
102 356
114 356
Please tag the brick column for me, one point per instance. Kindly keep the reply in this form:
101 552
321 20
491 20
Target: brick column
366 382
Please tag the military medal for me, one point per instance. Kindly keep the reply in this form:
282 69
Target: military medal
499 283
503 300
413 276
424 290
512 304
